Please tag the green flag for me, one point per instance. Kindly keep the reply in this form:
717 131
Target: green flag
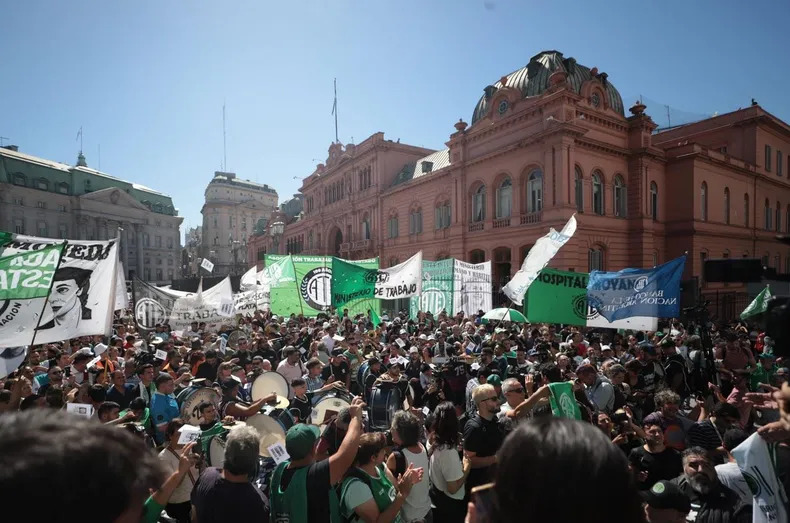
374 318
25 283
759 305
437 288
351 282
563 403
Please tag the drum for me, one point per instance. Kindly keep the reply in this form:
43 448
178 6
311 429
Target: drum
385 401
271 424
189 399
362 373
327 405
269 382
216 450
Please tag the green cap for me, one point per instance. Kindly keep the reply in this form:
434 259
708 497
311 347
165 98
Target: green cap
494 379
300 439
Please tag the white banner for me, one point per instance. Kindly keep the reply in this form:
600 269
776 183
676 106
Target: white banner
641 323
401 281
246 303
121 296
83 292
206 264
203 306
249 280
538 257
471 287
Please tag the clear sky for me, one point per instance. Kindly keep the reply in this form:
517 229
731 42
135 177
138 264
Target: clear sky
147 79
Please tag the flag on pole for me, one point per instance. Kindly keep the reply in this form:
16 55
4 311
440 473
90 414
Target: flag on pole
374 318
351 281
562 400
25 284
759 305
537 258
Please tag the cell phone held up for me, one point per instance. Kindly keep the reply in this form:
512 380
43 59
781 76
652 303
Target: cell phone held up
484 499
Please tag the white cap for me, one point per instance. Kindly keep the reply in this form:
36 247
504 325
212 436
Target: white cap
413 350
605 347
326 325
100 349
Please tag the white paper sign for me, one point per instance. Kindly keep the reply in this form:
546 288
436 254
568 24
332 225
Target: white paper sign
80 409
337 337
400 343
426 410
161 355
226 307
206 264
278 453
189 433
223 344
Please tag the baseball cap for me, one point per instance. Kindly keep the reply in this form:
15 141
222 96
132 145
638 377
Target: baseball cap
667 495
494 379
300 439
337 352
606 347
229 383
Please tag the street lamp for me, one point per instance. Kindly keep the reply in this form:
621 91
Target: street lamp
276 230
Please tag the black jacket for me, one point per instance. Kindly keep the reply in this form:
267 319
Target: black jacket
721 505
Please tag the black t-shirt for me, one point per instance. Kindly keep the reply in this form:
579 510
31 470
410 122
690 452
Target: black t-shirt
340 372
304 406
267 353
483 437
661 465
207 371
218 500
318 485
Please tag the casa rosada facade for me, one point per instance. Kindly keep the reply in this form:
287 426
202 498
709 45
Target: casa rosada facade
547 141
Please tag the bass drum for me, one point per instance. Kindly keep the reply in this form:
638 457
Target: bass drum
385 401
189 399
271 424
269 382
326 406
362 373
216 450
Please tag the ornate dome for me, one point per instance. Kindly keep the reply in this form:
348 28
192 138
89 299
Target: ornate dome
533 80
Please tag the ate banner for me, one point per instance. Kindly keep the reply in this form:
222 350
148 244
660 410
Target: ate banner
25 282
561 297
437 288
83 297
351 281
152 305
310 290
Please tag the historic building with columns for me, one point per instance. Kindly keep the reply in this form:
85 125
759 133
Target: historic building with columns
45 198
548 140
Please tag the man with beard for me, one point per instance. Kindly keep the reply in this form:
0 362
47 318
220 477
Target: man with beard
654 461
711 501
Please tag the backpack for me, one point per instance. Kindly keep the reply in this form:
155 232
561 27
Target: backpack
353 472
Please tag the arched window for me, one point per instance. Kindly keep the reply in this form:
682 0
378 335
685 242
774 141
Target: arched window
479 204
579 189
620 203
654 200
767 215
504 197
63 188
535 191
703 200
42 184
366 228
19 179
597 193
746 210
778 223
595 259
392 226
727 205
415 221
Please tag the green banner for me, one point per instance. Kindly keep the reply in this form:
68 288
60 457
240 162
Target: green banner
311 293
437 288
351 282
557 297
563 403
28 275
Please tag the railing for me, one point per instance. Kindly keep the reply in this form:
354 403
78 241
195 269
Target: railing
502 222
345 247
478 226
360 245
530 218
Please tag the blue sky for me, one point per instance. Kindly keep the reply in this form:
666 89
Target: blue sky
147 79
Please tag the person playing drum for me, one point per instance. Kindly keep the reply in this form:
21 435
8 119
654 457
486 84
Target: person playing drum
393 375
302 402
230 405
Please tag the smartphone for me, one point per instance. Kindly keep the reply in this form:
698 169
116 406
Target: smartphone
484 499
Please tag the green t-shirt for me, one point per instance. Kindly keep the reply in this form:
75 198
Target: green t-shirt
144 421
355 492
760 375
354 360
152 511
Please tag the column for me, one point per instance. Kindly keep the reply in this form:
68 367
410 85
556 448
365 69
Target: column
140 267
125 247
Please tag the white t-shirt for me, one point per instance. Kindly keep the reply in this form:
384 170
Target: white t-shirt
418 502
446 466
730 476
291 372
184 489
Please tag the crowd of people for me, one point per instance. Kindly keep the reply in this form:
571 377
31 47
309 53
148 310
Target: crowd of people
470 435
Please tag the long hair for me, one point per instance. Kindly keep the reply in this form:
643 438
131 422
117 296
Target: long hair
545 462
82 277
445 426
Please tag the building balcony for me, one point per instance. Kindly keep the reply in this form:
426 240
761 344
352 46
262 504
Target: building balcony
361 245
345 247
502 222
477 226
531 218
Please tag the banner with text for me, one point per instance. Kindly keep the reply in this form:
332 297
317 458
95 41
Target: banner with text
204 306
25 282
152 305
310 290
561 297
471 287
83 297
437 288
352 282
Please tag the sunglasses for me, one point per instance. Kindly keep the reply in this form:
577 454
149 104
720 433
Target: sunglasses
519 390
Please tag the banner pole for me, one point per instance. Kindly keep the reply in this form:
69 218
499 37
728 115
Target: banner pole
296 287
49 291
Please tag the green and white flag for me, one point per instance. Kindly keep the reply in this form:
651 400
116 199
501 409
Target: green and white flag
563 403
759 305
437 288
352 282
25 283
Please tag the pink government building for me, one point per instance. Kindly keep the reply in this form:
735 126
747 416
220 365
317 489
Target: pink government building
548 140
